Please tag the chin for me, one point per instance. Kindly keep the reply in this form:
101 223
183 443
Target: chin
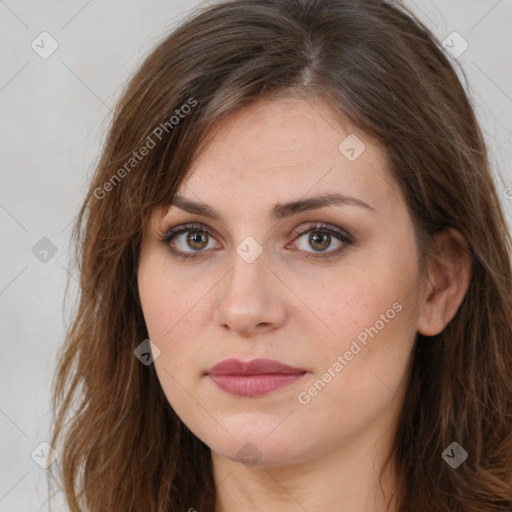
252 445
260 453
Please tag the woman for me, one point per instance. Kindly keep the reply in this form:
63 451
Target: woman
295 277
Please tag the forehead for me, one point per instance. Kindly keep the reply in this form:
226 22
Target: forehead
283 149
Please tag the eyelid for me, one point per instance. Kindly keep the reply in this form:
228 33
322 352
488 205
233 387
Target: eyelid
331 228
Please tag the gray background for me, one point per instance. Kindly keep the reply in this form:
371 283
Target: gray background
54 114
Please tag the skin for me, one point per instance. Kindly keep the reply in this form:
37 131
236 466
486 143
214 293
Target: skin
305 312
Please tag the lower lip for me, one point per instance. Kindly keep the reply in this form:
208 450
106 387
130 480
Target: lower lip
255 385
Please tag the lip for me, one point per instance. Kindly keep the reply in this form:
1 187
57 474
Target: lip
253 378
254 367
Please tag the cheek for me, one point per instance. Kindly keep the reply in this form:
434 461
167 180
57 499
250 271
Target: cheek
166 298
174 308
370 313
360 297
168 308
362 368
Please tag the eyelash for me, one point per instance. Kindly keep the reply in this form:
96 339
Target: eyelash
167 236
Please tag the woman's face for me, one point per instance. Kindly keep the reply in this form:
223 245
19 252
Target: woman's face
331 291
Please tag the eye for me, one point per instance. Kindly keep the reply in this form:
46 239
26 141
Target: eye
190 246
189 241
320 238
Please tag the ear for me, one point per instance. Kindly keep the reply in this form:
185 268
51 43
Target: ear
448 280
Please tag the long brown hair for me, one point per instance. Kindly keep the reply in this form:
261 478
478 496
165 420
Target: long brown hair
121 445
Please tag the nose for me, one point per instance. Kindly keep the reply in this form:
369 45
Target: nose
250 298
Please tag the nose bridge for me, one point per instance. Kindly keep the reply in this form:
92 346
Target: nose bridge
248 263
247 278
248 299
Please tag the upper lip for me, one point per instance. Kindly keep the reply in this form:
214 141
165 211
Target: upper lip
254 367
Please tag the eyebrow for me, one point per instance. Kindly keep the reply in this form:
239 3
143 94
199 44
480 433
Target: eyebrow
279 210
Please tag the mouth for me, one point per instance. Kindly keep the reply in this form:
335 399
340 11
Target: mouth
253 378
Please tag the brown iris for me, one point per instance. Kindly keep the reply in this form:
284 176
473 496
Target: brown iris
319 241
197 237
